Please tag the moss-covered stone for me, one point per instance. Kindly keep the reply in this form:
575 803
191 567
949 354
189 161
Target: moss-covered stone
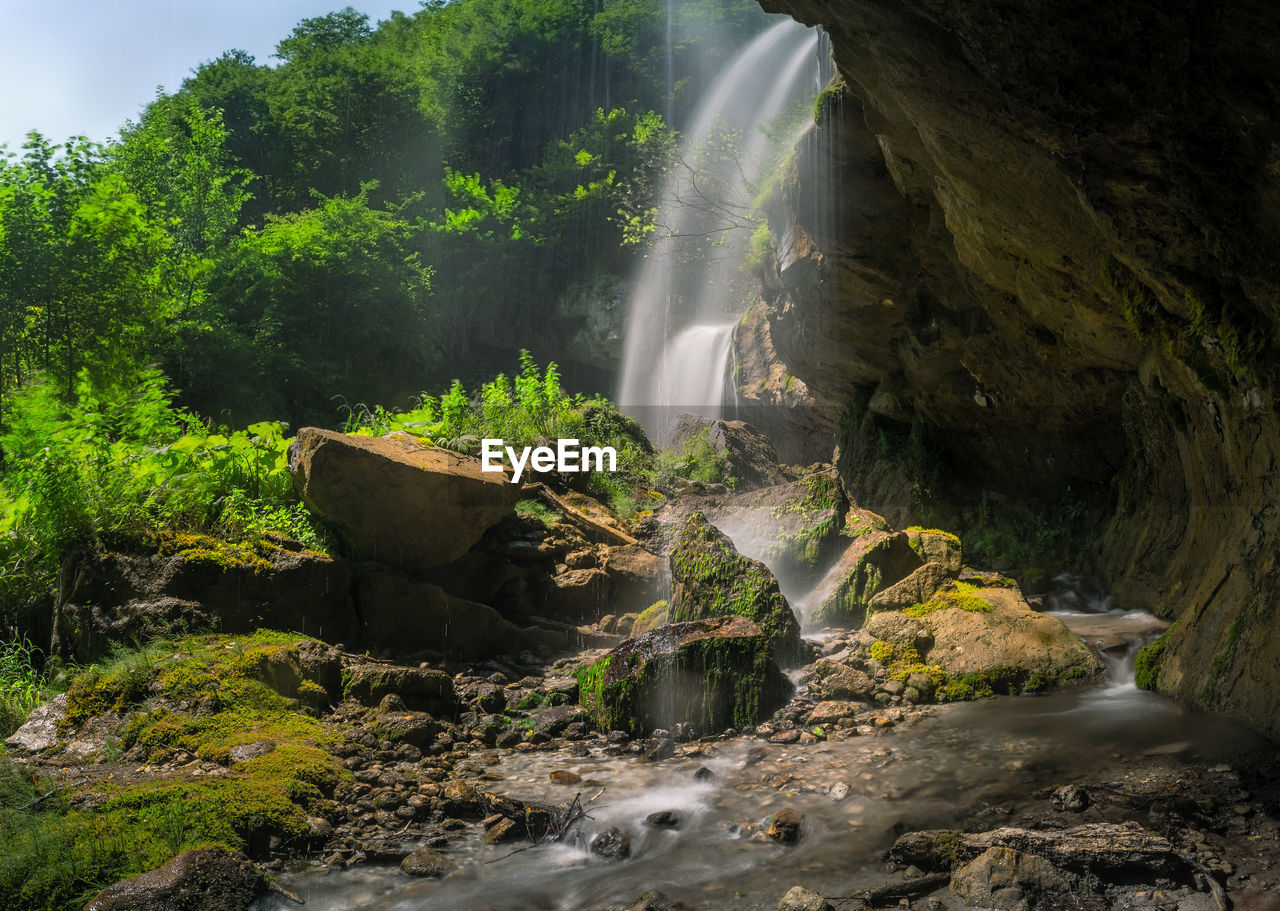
711 674
230 700
1149 660
711 579
979 642
933 545
424 689
875 559
793 528
962 595
651 618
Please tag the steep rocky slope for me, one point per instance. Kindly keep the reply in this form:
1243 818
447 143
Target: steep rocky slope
1050 278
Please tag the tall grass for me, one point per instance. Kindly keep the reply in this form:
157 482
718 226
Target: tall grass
22 685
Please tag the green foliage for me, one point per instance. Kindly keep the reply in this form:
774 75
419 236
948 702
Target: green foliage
1008 536
697 460
321 295
760 250
536 509
23 685
87 275
525 410
119 464
827 99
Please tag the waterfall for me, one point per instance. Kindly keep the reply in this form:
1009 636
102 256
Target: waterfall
689 293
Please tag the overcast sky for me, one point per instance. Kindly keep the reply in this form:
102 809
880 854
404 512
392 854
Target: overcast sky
85 66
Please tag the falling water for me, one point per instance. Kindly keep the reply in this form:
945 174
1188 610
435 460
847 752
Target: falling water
688 295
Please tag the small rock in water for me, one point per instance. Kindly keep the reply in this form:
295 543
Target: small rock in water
618 737
426 862
564 776
664 819
785 737
756 754
657 901
704 774
784 828
801 899
660 748
839 791
1071 798
612 843
503 830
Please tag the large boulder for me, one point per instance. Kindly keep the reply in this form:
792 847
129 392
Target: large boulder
396 499
748 455
937 546
419 688
993 635
203 879
710 674
916 588
636 578
192 583
1006 880
709 578
875 558
404 616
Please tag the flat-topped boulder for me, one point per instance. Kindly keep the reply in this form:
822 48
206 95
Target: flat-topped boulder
709 578
397 499
710 674
978 640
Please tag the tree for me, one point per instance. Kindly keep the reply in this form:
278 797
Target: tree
319 303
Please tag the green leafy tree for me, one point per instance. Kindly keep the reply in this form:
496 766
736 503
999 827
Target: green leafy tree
327 301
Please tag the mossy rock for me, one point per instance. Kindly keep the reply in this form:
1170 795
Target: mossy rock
652 617
1149 660
224 699
979 642
422 689
875 559
711 674
933 545
793 528
711 579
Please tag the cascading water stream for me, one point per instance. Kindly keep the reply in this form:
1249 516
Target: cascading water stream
688 294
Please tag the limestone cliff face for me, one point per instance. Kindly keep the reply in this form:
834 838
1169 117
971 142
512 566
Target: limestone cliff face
1054 263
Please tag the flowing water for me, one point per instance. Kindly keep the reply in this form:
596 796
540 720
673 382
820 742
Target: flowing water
855 795
691 291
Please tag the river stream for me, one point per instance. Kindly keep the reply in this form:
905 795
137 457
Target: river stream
936 768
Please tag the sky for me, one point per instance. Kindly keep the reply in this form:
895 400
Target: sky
70 67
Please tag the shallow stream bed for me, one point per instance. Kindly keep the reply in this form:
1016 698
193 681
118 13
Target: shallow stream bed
943 766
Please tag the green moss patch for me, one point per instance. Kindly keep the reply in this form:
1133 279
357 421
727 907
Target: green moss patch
204 550
1149 660
962 595
200 697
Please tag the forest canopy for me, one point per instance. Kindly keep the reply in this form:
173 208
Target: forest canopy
342 223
